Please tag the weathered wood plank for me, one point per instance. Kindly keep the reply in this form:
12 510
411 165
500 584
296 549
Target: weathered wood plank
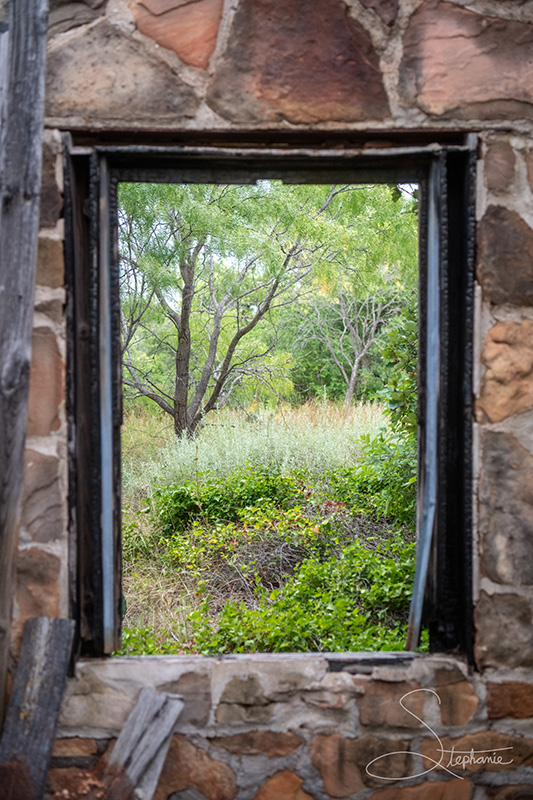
141 748
20 179
31 720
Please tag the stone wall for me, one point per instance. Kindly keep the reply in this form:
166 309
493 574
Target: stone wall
298 727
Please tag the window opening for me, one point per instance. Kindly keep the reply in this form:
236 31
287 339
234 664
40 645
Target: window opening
445 176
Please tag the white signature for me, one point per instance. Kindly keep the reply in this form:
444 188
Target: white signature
460 759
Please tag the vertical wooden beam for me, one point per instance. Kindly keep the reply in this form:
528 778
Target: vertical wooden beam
20 180
33 711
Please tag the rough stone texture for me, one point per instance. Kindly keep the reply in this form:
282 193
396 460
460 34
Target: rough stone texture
505 257
503 631
303 67
189 767
42 500
529 166
51 204
243 700
50 262
102 76
380 704
386 9
458 700
271 743
510 699
507 386
484 745
65 16
521 792
436 790
342 762
196 692
52 307
46 384
462 65
283 785
506 510
499 166
188 28
75 746
37 592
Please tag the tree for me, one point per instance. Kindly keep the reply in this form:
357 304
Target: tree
206 271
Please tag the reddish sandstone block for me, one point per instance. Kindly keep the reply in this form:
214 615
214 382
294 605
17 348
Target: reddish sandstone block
75 746
46 384
504 257
510 699
37 592
342 762
271 743
456 789
189 29
507 387
459 64
499 166
283 785
380 704
282 64
190 767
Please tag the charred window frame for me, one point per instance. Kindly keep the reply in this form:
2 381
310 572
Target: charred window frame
442 596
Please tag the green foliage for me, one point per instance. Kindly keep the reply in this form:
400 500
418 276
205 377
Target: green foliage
384 480
400 354
212 498
348 602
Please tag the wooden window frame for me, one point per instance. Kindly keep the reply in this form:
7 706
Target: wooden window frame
445 170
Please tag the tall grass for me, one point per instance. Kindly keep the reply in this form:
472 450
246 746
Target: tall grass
315 436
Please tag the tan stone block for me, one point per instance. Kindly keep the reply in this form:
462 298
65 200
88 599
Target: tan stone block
195 689
505 257
50 262
243 700
271 743
282 64
189 767
507 387
503 631
67 15
386 9
510 699
43 504
455 789
46 384
458 700
342 762
487 751
75 746
506 510
284 785
189 29
380 704
459 64
499 166
71 783
102 76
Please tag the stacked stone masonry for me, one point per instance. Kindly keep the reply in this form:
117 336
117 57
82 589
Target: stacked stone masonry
292 728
